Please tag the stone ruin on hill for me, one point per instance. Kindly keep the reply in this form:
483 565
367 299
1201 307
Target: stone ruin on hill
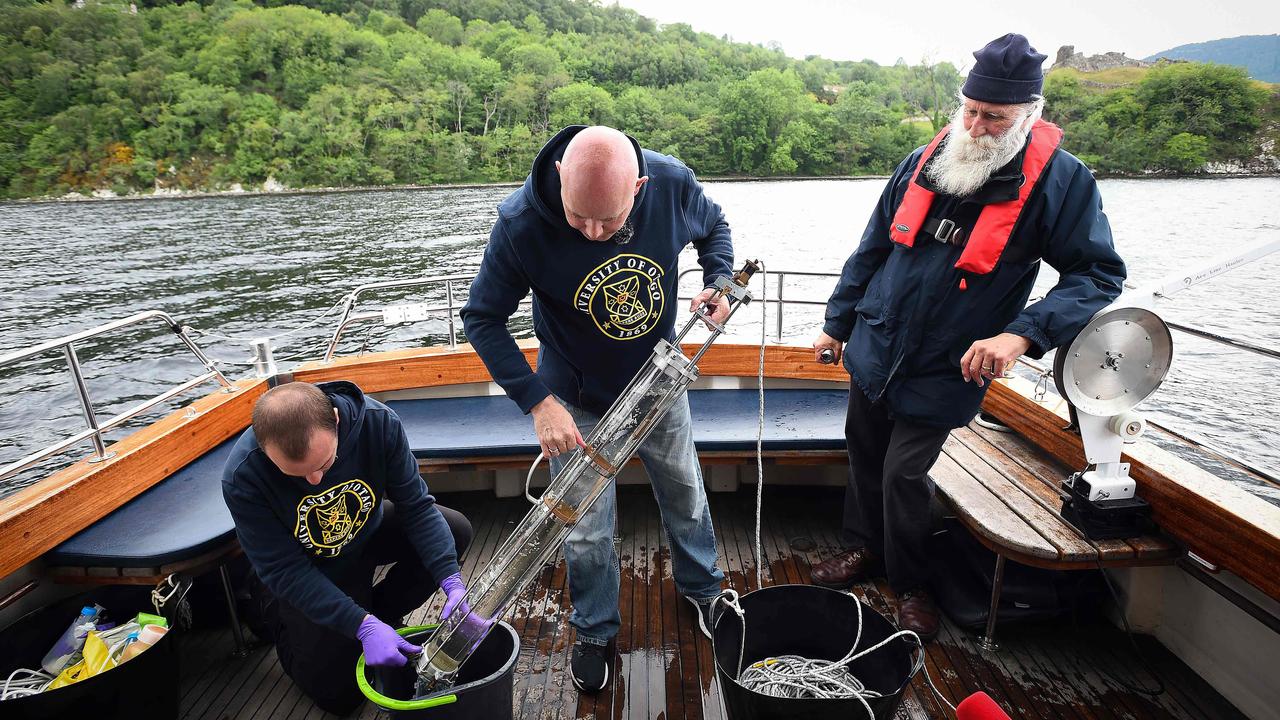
1069 58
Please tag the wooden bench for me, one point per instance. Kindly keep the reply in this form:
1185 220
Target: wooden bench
1005 491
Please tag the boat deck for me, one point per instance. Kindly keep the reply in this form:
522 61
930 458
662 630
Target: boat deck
663 665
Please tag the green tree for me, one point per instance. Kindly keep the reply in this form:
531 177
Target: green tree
581 104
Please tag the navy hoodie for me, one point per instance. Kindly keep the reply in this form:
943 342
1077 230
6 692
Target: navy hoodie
598 307
302 538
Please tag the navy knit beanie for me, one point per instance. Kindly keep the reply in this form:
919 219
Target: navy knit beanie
1008 72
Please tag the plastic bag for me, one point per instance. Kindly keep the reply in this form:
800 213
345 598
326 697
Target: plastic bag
97 658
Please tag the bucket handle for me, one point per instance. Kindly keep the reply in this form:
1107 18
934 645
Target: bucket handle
391 703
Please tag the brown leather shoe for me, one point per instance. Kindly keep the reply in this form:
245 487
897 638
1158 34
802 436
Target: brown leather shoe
843 570
918 614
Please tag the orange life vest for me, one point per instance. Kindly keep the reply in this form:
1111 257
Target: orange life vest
996 222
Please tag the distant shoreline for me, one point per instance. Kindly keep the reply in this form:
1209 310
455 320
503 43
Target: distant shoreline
203 194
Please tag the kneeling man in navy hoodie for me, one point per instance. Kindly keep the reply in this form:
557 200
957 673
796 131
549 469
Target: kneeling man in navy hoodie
324 489
595 234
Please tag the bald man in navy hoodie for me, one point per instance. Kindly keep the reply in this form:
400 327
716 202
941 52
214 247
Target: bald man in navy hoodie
595 234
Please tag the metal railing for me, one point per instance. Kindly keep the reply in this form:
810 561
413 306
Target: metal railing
779 300
95 429
449 308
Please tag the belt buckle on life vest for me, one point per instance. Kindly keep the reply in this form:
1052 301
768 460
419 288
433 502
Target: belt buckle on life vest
949 233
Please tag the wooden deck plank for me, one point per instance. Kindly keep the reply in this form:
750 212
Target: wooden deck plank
1040 484
987 516
1012 450
1009 486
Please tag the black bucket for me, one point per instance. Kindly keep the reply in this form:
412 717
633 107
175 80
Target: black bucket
482 690
144 687
819 624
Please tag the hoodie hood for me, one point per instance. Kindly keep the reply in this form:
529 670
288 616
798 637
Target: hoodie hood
542 187
350 402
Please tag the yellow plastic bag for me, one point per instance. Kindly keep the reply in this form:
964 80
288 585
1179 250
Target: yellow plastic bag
97 659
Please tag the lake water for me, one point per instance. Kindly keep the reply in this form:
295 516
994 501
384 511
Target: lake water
236 268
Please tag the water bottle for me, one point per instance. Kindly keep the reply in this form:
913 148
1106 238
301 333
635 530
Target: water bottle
71 642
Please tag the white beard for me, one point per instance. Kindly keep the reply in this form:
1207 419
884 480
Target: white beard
965 162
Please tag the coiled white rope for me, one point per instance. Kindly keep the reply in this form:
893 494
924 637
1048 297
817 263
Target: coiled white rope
33 683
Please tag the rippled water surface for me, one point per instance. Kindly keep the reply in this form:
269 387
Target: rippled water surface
236 268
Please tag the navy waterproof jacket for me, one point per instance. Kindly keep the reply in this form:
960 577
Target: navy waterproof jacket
300 538
908 319
598 307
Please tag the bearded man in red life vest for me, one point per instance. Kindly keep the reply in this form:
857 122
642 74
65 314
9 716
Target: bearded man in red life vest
932 305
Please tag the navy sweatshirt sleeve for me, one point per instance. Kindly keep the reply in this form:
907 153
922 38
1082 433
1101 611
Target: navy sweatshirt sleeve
496 292
710 232
1080 248
423 524
282 563
870 255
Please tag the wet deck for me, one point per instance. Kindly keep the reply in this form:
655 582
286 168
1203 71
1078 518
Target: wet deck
663 665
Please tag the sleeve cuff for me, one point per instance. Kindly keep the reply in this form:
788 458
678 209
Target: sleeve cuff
351 619
837 330
1039 342
536 393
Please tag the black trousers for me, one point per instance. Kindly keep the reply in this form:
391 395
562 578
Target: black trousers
886 503
321 661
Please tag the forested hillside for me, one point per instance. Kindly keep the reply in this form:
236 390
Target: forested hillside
204 95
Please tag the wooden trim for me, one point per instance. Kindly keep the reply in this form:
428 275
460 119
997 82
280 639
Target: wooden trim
432 367
1212 517
37 518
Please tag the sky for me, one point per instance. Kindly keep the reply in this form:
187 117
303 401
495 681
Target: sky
951 31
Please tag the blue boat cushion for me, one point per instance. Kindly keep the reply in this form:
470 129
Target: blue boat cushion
722 420
184 515
178 518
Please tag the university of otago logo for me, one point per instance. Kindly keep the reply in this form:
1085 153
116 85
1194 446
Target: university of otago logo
331 519
623 296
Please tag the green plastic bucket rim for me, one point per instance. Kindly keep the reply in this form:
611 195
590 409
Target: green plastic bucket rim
391 703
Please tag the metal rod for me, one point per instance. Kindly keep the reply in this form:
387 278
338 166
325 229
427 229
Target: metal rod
181 332
18 466
148 404
86 334
448 294
988 641
781 277
242 648
16 595
348 303
1223 339
86 405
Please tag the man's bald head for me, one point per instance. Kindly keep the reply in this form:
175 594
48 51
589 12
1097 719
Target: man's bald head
599 179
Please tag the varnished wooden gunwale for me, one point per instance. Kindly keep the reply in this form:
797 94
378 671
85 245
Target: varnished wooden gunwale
37 518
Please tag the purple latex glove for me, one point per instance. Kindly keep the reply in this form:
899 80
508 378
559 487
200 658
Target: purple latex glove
454 589
383 646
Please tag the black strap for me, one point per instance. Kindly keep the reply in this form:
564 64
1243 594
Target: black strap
944 230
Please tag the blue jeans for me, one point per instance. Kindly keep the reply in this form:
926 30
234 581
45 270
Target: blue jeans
672 464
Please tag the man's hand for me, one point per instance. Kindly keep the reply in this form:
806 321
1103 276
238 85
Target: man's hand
826 342
555 428
991 357
383 646
719 306
454 590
